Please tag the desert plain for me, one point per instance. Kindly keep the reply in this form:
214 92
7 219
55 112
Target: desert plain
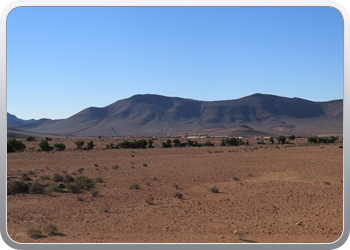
269 193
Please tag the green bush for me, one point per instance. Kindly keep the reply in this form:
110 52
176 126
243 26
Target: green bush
94 193
232 141
68 178
57 177
134 186
44 145
34 232
59 146
14 145
167 144
214 190
271 140
178 195
50 229
90 145
79 144
72 188
36 188
281 139
17 187
84 182
30 138
292 137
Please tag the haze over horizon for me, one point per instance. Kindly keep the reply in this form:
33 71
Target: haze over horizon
61 60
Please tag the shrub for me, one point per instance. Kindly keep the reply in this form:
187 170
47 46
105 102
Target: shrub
80 170
135 144
30 138
14 145
53 188
72 188
44 145
68 178
167 144
271 140
59 146
150 144
99 179
115 166
176 142
50 229
45 177
34 232
17 187
178 195
84 182
90 145
94 193
25 177
208 144
232 141
80 198
79 144
134 186
176 186
281 139
36 188
312 139
214 190
145 165
57 177
105 209
150 201
292 137
48 138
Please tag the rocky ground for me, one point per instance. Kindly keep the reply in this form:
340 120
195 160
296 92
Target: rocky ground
266 193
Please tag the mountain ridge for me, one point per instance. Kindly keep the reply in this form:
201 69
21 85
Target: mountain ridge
150 114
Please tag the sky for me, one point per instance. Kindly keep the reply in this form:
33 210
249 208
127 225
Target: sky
61 60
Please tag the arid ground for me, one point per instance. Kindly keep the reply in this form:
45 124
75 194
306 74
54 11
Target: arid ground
266 193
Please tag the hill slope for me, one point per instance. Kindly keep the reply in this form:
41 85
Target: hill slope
158 115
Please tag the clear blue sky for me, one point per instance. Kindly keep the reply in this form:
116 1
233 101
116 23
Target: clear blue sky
61 60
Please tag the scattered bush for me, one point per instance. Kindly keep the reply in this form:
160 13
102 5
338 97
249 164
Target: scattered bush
44 145
72 188
271 140
281 139
36 188
134 186
135 144
79 144
214 190
150 144
25 177
13 145
30 138
57 177
292 137
48 138
176 185
90 145
68 178
178 195
84 182
115 167
50 229
59 146
232 141
80 170
34 232
17 187
150 201
99 179
94 193
167 144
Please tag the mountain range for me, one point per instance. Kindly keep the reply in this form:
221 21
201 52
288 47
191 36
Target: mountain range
148 114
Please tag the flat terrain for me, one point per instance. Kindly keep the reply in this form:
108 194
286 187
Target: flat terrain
267 193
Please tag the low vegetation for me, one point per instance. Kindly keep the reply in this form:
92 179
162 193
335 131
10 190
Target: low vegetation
13 145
